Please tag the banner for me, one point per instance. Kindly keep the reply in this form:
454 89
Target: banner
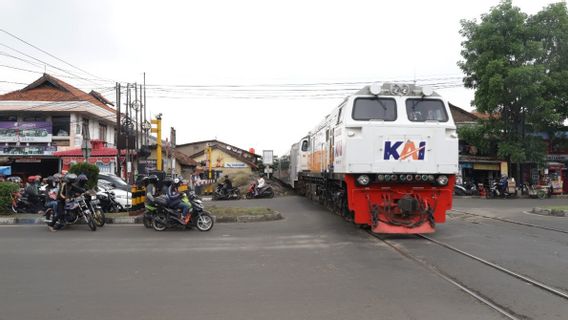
25 131
25 150
6 170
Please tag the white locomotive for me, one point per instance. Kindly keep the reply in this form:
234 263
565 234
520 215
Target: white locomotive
386 157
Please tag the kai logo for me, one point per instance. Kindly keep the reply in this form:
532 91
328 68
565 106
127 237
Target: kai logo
409 150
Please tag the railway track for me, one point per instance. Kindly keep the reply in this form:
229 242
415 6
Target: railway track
455 282
512 221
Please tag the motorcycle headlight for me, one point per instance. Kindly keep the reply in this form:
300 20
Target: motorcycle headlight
363 179
442 180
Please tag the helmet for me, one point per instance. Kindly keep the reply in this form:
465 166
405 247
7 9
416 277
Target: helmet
153 178
144 181
167 182
31 179
70 177
57 177
82 178
176 181
226 177
50 179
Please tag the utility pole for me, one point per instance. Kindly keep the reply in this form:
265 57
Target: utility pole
118 131
158 131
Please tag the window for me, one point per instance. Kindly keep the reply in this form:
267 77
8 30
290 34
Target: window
420 110
339 114
61 125
366 109
33 118
102 131
305 145
8 118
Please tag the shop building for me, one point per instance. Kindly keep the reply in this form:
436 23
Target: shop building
46 117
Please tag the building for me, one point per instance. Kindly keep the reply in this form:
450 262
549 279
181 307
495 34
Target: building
473 166
226 159
48 116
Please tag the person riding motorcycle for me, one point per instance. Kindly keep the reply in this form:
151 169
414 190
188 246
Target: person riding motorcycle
175 200
227 186
51 190
150 183
260 183
31 191
63 195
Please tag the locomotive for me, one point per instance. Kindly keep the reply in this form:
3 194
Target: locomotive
386 158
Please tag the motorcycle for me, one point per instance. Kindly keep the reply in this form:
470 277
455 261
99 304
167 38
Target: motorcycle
264 192
499 190
74 210
22 204
232 194
166 217
108 202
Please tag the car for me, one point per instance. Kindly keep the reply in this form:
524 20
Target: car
123 197
116 182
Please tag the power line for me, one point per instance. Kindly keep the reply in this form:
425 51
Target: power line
51 55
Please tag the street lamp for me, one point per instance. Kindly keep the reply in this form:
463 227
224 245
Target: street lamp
86 148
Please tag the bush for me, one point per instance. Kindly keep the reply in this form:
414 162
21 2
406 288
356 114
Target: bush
6 191
90 170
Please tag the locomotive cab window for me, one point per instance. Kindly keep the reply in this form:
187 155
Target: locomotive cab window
305 145
365 109
419 110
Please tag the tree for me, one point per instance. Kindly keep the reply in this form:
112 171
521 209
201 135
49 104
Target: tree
90 170
517 65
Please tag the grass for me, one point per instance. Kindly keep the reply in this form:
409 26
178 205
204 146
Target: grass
565 208
237 212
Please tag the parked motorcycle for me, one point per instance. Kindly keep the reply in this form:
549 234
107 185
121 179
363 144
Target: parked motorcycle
232 194
22 204
264 192
74 210
107 200
499 189
165 217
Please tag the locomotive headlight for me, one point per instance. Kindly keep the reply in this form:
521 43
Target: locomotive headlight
402 177
387 177
408 177
442 180
381 177
430 178
363 179
427 91
418 177
394 177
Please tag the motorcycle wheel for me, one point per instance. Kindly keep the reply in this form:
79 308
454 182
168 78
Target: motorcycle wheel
249 195
91 223
204 222
159 223
99 218
270 194
14 208
49 216
147 221
541 194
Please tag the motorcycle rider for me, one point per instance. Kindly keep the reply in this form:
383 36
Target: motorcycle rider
51 190
175 200
63 195
150 183
227 186
259 184
31 191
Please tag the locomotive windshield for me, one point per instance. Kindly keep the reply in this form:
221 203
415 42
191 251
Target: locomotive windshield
419 110
374 109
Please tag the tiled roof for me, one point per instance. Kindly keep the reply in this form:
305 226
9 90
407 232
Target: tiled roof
183 159
49 88
102 152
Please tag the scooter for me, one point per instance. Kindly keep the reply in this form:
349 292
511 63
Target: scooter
233 194
264 192
166 217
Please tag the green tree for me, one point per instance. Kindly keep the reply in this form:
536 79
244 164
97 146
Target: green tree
517 65
90 170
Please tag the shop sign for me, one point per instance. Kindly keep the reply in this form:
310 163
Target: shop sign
235 165
557 157
25 131
487 166
28 160
28 150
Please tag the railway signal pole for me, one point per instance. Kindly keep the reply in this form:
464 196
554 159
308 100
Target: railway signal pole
158 131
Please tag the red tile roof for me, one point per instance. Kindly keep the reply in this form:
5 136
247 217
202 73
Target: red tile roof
49 88
102 152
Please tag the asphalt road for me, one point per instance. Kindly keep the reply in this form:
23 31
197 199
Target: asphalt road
312 265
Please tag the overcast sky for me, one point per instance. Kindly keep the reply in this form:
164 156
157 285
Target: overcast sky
180 44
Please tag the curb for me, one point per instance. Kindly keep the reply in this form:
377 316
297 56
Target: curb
549 212
138 219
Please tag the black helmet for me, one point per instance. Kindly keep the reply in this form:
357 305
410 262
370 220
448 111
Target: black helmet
70 177
153 178
57 177
82 179
167 182
50 179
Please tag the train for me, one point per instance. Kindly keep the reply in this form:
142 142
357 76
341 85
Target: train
385 158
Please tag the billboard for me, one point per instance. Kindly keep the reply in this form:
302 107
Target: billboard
11 131
267 158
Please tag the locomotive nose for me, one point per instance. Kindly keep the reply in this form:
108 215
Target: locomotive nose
408 204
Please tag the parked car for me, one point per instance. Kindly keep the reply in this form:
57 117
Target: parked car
115 181
123 197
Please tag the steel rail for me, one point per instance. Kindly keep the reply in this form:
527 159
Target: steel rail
513 221
526 279
448 279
